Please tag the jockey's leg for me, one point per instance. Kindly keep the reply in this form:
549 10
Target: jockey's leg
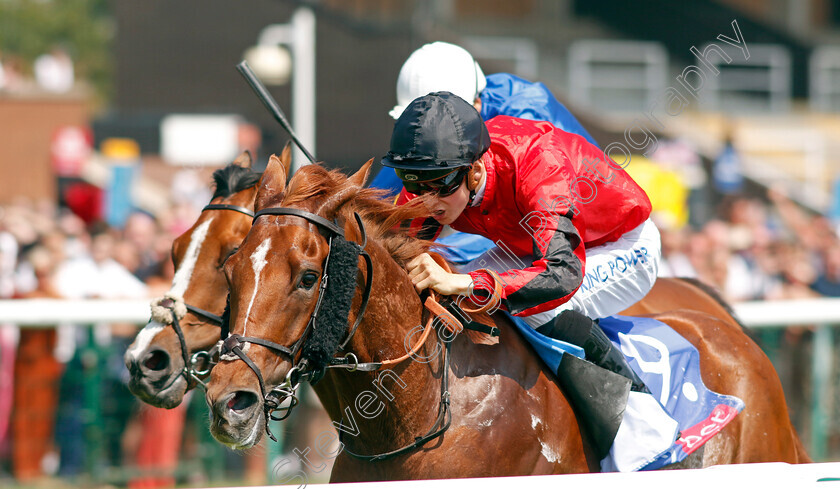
618 274
573 327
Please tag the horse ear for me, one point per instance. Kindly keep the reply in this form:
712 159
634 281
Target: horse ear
272 183
360 177
244 160
286 156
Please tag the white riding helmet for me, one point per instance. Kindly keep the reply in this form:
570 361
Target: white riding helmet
435 67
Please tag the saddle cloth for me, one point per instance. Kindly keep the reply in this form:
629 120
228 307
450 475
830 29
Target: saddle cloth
670 367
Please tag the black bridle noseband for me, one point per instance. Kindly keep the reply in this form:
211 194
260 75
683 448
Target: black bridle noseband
302 371
191 370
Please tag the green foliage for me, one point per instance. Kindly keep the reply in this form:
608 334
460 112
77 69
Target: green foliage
29 28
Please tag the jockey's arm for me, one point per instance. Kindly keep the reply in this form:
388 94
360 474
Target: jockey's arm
559 254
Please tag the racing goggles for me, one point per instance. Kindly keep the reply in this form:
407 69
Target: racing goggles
442 182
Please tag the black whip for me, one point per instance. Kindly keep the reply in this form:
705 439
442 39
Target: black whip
245 70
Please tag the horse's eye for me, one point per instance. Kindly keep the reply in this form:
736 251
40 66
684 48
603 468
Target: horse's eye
308 280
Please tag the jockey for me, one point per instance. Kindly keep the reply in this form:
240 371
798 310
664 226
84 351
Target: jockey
442 66
575 227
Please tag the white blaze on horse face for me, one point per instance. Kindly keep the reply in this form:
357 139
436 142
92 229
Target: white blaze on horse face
143 339
179 286
258 262
185 271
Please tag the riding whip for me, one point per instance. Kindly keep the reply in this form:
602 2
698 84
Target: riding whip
268 101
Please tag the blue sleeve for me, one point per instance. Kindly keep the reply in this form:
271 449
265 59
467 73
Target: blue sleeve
387 179
512 96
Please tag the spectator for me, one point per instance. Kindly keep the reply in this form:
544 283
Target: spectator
726 170
8 333
828 282
99 276
11 72
36 381
2 74
54 71
141 231
675 261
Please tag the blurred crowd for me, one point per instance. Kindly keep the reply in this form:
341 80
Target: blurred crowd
757 249
49 252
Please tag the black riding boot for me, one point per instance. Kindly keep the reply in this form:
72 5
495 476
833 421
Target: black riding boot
577 329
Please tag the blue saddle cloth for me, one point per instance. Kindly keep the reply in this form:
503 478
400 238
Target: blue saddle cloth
669 365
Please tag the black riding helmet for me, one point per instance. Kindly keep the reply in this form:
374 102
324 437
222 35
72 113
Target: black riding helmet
436 134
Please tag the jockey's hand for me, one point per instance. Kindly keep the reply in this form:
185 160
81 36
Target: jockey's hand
425 273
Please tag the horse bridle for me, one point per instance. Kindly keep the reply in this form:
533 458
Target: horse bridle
190 370
301 371
273 400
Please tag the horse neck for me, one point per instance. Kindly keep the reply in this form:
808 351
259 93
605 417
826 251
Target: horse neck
393 311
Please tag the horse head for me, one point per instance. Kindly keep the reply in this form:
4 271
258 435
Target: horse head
286 319
186 321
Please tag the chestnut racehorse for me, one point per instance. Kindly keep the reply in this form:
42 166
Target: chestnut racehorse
156 358
508 416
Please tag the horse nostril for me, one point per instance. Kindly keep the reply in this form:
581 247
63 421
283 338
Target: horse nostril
242 400
156 360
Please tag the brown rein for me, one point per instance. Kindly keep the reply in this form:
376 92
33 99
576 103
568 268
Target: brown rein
436 310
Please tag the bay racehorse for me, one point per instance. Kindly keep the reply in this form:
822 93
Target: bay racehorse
160 359
504 412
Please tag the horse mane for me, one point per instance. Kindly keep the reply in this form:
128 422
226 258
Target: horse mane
232 179
332 191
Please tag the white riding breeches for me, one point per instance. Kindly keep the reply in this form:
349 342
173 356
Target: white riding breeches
618 274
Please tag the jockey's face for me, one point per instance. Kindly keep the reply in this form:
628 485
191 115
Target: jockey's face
446 210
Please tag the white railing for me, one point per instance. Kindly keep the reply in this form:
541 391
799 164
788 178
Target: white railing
48 312
617 76
767 71
773 314
824 77
522 51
